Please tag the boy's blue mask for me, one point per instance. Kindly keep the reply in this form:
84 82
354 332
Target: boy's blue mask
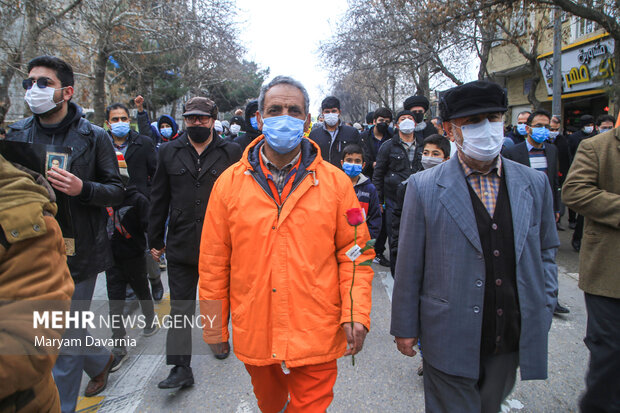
254 123
352 169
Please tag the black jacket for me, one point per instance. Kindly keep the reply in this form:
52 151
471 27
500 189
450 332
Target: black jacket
141 161
180 193
564 156
131 216
370 156
243 140
519 153
94 162
332 152
574 139
393 167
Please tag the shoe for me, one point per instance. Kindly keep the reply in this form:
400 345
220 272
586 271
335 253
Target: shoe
98 383
560 309
572 225
149 331
180 376
120 355
220 350
576 243
381 260
162 263
157 290
421 370
560 227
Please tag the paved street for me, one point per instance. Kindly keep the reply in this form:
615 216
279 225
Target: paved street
382 380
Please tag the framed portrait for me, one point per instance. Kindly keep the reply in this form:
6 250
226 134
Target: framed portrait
57 159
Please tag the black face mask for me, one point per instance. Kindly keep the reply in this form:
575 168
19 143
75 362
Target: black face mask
418 117
198 134
382 127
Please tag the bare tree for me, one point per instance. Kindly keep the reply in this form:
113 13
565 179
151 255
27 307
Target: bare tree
21 26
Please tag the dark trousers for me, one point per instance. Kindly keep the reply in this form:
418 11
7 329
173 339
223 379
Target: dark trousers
572 215
578 234
382 238
603 340
444 393
183 282
130 271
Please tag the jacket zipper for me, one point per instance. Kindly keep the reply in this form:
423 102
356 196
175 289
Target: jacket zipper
271 196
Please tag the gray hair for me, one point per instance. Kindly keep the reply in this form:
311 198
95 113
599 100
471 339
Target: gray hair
283 80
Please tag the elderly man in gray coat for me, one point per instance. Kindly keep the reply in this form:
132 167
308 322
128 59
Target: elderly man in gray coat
479 282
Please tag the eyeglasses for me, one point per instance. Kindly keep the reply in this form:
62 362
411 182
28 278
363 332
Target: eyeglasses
197 118
42 82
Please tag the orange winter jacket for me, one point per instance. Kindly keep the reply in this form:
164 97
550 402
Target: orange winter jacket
282 271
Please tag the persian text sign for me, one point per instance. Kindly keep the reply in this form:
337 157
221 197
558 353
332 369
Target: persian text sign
588 66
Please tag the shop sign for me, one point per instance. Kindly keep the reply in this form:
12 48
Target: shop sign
588 66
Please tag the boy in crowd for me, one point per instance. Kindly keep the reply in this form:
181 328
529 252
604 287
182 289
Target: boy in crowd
352 164
126 228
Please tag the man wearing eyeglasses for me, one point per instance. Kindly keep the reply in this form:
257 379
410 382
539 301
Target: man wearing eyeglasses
538 153
91 182
187 168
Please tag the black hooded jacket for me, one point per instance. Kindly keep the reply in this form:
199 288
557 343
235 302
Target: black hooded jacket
243 140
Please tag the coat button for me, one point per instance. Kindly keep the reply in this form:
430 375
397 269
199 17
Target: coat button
36 228
273 355
494 226
198 202
476 309
500 312
182 171
498 282
197 184
273 228
15 233
274 290
214 171
496 253
198 219
479 283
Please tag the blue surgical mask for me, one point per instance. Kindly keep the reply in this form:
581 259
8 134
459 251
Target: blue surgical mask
553 135
283 133
166 132
352 169
253 122
120 129
603 130
521 129
540 134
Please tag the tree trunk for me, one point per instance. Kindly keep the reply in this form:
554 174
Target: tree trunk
531 96
614 96
101 62
5 81
424 87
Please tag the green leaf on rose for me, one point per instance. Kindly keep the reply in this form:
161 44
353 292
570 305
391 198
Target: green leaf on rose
366 263
369 244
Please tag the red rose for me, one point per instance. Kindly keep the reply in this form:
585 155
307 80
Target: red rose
355 216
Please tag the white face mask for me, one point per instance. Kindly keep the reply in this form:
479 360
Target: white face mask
234 128
483 140
429 161
553 134
41 100
588 129
331 118
406 126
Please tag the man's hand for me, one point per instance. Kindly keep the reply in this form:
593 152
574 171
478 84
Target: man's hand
139 101
65 181
156 254
355 337
405 345
557 217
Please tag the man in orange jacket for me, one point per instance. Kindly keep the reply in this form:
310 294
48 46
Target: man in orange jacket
273 254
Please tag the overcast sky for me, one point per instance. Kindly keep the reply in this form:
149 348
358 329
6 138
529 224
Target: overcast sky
284 35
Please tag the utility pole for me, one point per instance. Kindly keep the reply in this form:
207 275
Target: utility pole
556 106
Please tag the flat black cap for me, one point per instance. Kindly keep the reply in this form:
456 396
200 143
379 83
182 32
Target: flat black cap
471 99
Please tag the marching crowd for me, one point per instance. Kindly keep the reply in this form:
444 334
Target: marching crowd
249 215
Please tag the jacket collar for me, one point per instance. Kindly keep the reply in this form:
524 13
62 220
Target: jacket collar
310 154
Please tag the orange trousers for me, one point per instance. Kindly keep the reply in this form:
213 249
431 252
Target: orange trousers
311 388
